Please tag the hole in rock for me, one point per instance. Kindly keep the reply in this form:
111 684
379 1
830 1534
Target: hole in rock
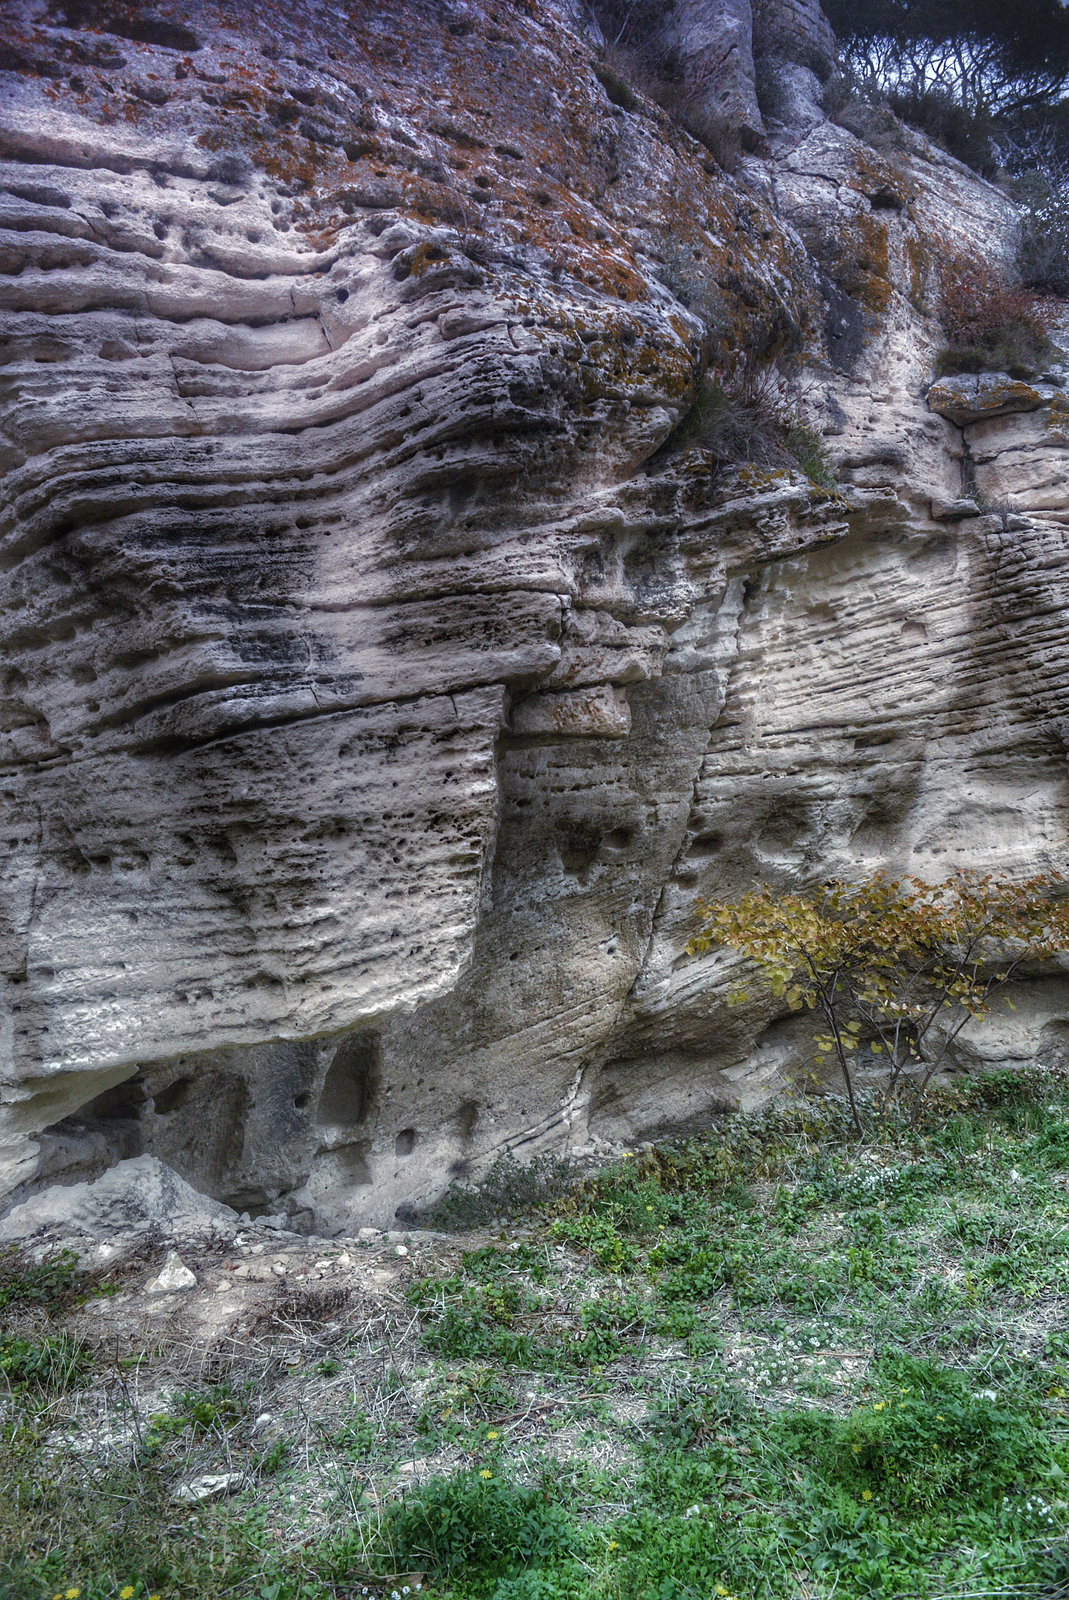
706 844
351 1166
405 1142
351 1085
301 1100
578 842
783 1035
202 1132
618 839
170 1099
785 828
252 1199
466 1117
125 1100
886 200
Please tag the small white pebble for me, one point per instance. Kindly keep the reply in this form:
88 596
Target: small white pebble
402 1250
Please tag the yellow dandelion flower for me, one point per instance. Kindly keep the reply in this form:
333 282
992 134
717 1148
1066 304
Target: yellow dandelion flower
486 1473
720 1592
866 1494
649 1208
612 1545
940 1419
71 1594
880 1405
856 1448
493 1434
126 1592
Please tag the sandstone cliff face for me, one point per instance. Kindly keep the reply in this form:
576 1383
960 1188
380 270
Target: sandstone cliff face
382 682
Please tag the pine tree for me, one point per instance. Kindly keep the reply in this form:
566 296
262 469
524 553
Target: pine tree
987 55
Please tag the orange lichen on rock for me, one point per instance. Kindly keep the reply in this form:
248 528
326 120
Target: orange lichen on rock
502 132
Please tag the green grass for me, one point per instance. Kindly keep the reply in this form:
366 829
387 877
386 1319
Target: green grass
50 1283
764 1363
54 1363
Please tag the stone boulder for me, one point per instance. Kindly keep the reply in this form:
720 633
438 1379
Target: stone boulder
133 1202
982 396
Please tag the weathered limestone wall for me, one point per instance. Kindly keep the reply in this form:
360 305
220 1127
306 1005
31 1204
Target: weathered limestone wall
382 681
795 30
714 53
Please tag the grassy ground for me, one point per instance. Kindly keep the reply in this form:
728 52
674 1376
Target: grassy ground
772 1364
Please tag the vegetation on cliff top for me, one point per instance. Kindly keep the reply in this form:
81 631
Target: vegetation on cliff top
991 325
989 56
987 81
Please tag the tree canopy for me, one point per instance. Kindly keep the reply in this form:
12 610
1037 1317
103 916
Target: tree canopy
988 55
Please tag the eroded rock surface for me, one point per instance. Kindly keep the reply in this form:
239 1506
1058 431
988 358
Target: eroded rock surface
135 1202
384 675
983 397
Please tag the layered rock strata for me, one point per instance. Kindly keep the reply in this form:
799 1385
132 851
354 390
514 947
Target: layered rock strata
387 669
